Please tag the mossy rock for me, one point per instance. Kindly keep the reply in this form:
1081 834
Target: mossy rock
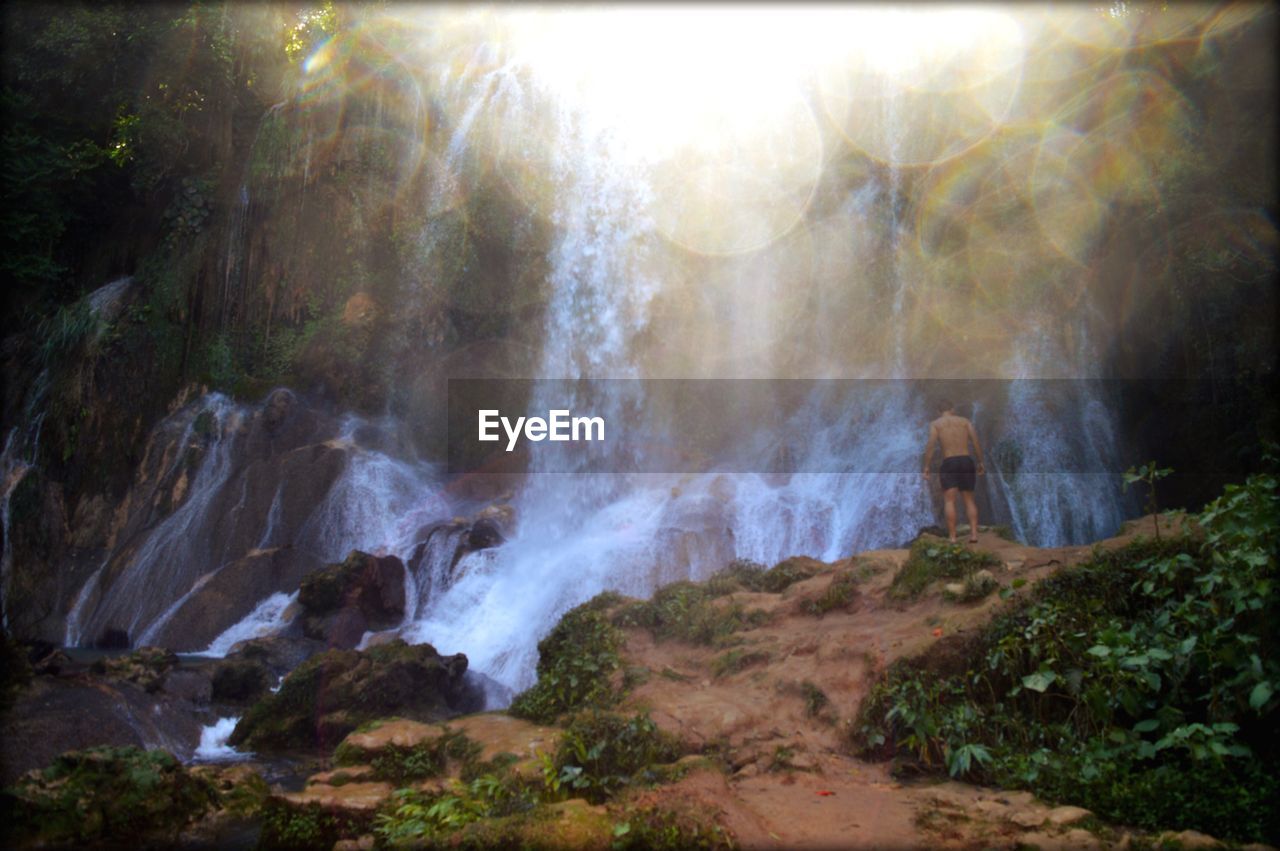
332 694
146 667
550 827
341 601
108 796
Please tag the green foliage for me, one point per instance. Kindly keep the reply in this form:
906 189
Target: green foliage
109 795
307 826
737 659
840 593
687 611
1129 685
416 817
601 753
931 560
401 764
1148 474
312 26
654 828
746 575
575 663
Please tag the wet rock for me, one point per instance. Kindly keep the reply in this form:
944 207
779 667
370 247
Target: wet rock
485 532
239 681
353 798
277 654
332 694
231 594
57 714
112 638
192 685
341 602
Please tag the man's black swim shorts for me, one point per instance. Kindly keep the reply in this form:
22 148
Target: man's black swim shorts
958 471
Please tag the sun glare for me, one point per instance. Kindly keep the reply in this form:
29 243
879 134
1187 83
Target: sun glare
678 76
724 102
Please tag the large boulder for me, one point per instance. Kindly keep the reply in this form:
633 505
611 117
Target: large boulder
332 694
342 601
252 667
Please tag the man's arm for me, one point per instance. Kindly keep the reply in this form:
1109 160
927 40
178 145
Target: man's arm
928 449
977 448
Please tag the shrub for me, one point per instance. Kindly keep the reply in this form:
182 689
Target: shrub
840 593
306 826
931 560
575 663
602 752
733 661
653 828
1141 684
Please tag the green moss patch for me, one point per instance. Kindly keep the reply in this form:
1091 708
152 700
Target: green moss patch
931 560
840 594
690 611
106 796
575 663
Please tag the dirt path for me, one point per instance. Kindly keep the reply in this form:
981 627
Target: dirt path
793 784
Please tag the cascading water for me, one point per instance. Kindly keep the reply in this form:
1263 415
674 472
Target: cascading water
242 485
1052 461
578 533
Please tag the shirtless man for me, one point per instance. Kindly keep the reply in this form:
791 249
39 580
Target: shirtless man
957 471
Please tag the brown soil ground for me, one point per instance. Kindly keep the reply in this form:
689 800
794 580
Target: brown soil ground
794 785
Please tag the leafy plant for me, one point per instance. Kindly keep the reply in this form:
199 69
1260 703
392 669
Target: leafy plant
600 753
401 764
1148 474
575 663
735 660
840 593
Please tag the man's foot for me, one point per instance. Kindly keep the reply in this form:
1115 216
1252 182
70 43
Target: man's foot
973 539
952 540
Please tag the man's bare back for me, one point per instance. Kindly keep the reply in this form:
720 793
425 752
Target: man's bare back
958 472
954 432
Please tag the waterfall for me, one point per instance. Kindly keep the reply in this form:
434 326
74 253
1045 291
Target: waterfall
225 482
851 482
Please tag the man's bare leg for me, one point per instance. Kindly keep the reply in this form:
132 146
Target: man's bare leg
970 511
950 496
